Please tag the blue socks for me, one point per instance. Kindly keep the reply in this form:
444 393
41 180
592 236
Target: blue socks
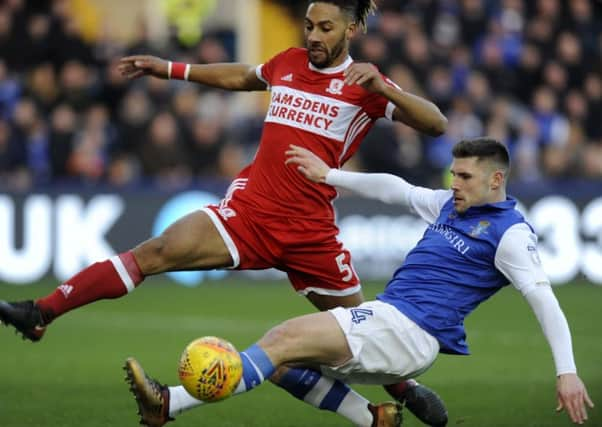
256 367
327 393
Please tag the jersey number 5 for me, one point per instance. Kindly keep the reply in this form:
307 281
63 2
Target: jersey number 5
344 267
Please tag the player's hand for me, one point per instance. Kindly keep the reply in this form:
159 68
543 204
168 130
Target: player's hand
365 75
573 397
310 165
136 66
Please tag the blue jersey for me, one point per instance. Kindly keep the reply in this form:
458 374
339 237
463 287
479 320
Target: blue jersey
452 270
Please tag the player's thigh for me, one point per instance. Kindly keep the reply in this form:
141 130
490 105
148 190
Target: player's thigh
325 275
314 339
386 345
190 243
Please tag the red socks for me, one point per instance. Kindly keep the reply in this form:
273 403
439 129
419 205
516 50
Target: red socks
102 280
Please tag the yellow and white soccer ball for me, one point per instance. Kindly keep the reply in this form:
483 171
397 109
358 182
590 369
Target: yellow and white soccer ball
210 368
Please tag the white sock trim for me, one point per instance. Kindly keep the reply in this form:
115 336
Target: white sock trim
123 273
318 391
257 370
354 407
180 400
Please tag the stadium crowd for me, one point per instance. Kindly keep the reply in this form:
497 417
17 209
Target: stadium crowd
528 73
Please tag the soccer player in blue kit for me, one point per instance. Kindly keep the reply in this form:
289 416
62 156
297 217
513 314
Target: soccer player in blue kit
475 244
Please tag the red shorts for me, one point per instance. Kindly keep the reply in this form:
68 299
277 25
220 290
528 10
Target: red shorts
308 251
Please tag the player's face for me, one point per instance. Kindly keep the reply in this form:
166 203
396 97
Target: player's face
327 34
474 183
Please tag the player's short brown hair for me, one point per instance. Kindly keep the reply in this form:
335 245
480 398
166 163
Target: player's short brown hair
484 148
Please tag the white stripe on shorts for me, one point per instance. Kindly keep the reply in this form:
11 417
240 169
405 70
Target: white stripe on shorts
322 291
225 237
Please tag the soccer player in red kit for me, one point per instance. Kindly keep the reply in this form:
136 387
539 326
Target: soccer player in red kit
321 100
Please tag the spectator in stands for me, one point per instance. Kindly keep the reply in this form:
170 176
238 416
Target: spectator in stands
163 155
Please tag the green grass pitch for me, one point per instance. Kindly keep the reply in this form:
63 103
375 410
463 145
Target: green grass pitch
74 378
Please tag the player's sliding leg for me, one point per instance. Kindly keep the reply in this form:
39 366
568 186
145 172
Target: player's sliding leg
326 393
421 401
305 384
158 404
191 243
315 338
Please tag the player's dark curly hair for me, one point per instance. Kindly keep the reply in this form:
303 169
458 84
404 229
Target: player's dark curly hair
358 10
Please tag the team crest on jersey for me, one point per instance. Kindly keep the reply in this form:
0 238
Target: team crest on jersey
480 228
336 87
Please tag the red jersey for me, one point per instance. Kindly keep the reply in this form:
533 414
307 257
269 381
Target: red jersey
312 108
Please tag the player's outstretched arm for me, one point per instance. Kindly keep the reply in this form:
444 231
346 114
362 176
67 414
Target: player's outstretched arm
412 110
380 186
230 76
570 390
572 397
516 257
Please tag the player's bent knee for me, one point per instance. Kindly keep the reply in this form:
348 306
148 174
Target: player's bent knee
280 343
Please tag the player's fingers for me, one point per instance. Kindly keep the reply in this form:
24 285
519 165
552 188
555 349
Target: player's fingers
588 400
296 148
363 79
135 74
132 58
292 159
560 405
581 408
142 63
126 69
574 408
129 74
123 70
571 413
577 410
303 152
350 77
303 171
351 80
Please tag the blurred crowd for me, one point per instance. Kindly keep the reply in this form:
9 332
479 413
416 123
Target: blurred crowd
526 72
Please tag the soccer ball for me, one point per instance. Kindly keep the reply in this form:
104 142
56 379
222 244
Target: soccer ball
210 369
